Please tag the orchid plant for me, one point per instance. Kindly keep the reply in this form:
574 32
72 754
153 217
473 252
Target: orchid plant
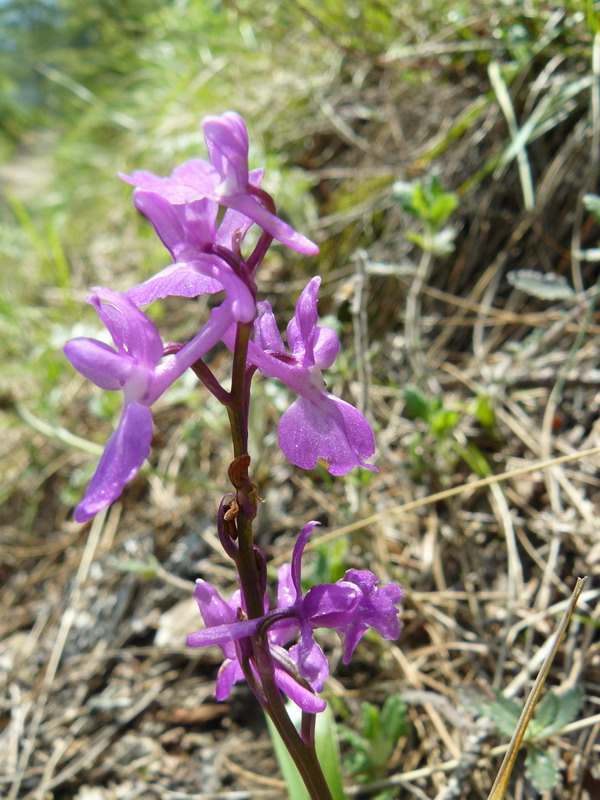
273 650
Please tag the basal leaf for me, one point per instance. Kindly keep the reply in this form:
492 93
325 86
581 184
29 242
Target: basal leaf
504 713
569 704
541 769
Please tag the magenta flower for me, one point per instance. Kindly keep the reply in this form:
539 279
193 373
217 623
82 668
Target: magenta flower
134 369
130 368
188 231
349 607
224 179
317 424
224 629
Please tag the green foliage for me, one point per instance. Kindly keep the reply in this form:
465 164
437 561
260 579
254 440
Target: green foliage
373 746
327 750
430 205
541 768
483 411
440 447
553 713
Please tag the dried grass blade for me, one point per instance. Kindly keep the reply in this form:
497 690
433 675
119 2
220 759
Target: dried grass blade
498 791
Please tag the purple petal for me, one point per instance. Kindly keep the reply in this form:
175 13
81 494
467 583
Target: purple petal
214 610
251 208
378 605
232 230
99 363
123 456
296 565
227 143
176 189
331 605
286 591
311 660
230 672
236 601
326 348
183 229
326 428
266 332
176 280
303 698
376 609
301 331
223 634
243 303
130 328
197 179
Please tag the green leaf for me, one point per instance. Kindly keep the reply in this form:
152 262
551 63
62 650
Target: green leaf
541 769
474 458
295 785
417 403
504 712
441 208
393 718
420 202
354 738
418 239
484 412
547 711
370 722
327 751
442 421
569 704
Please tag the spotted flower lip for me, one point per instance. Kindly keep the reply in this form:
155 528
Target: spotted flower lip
317 424
349 607
223 179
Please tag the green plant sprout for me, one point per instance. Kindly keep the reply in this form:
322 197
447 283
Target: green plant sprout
431 205
439 448
374 745
553 713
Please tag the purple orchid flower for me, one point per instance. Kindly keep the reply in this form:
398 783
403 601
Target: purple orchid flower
225 629
187 231
317 424
349 607
134 369
224 179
